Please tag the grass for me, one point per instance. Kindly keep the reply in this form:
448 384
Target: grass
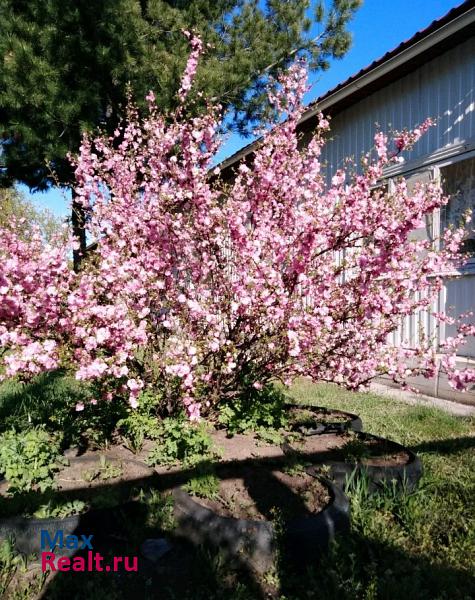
418 545
421 544
50 400
22 404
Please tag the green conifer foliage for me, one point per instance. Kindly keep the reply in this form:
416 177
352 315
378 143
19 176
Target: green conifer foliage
65 65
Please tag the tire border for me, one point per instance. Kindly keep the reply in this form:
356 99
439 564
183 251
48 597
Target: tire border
254 543
26 532
406 476
354 422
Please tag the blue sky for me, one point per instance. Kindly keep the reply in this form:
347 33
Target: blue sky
379 26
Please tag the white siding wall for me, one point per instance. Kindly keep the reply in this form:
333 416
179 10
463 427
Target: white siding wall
444 89
460 298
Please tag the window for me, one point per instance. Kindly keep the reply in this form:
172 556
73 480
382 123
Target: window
458 181
412 181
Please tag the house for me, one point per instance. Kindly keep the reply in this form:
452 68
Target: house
430 75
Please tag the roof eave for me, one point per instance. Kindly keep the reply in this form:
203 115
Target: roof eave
453 29
448 34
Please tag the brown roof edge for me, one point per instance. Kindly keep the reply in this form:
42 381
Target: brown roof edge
453 28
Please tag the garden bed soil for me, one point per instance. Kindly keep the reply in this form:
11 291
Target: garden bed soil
312 420
300 416
257 493
331 447
105 501
74 475
72 483
244 447
86 471
293 531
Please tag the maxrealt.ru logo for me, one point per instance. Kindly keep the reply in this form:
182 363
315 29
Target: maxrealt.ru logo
93 561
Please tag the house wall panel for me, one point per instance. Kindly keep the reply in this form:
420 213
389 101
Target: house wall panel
443 89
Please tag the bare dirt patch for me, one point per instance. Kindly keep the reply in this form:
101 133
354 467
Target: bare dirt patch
349 448
259 493
244 447
309 416
96 468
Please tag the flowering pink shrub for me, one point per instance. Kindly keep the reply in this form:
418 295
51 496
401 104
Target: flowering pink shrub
204 289
35 280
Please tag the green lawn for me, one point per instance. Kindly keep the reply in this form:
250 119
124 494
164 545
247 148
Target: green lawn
415 546
419 546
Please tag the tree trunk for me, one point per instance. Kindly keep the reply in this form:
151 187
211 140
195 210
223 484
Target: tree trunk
78 221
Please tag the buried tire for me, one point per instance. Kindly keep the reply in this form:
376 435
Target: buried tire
255 544
404 476
100 522
26 531
325 421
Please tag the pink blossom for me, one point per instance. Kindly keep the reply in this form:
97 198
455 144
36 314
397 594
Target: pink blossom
134 385
281 276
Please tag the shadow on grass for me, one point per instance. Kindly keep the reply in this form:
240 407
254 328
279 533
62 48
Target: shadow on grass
448 446
356 567
21 398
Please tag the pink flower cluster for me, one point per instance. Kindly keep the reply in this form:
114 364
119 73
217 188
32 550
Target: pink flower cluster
406 139
35 279
191 65
202 288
